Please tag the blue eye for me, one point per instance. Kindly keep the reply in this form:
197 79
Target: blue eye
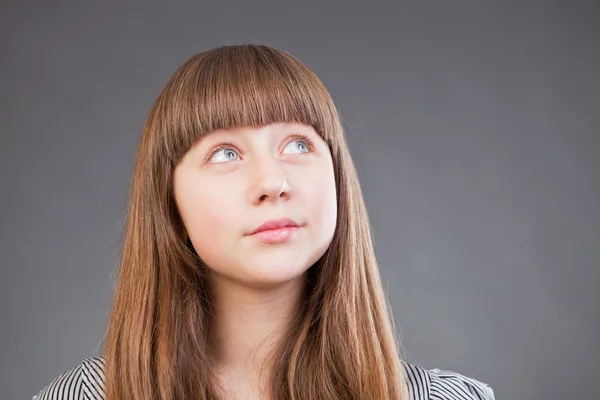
297 146
224 155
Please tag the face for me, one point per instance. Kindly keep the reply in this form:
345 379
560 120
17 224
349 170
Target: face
232 182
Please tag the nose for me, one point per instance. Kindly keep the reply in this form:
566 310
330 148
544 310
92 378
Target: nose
269 182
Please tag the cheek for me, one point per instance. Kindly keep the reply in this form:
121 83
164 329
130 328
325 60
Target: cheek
322 202
208 217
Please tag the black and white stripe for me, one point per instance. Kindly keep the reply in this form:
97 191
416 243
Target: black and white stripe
86 382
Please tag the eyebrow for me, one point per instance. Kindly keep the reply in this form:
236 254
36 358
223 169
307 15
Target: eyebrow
203 137
290 128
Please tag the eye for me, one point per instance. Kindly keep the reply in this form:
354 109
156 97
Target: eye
299 144
223 153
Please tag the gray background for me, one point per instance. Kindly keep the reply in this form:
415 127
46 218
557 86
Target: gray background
474 128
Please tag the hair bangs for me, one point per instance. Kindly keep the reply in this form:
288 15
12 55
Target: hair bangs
241 86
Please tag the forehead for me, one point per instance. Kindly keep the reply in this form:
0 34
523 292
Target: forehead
273 127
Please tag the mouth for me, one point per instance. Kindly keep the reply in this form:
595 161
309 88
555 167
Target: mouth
276 231
276 224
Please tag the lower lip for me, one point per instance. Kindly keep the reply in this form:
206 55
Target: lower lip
278 235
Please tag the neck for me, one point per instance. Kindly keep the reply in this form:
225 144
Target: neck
249 322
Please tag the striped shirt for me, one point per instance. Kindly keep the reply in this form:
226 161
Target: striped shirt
86 382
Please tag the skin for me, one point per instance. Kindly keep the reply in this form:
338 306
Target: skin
223 194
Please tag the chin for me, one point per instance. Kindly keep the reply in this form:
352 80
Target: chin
275 274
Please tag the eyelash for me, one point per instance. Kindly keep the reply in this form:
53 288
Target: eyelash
228 145
303 137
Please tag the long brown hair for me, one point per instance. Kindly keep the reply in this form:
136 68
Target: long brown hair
343 343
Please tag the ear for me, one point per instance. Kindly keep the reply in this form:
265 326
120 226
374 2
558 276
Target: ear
189 244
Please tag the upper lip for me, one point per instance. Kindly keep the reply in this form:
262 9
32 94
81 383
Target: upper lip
275 224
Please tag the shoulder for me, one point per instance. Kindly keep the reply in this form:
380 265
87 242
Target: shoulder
437 384
85 381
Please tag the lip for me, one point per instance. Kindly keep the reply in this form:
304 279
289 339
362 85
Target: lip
275 225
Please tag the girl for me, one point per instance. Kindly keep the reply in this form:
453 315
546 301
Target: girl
247 269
